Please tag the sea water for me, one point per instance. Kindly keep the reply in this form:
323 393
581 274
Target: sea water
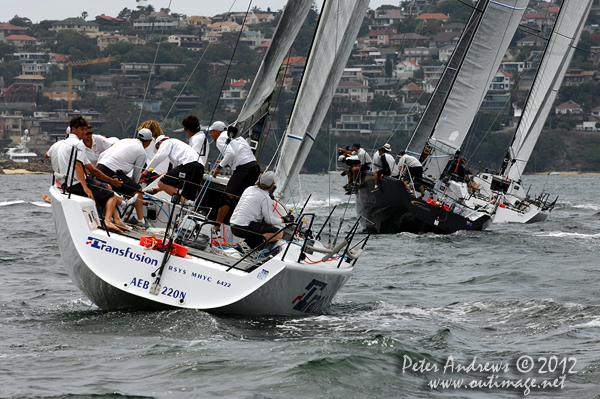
508 312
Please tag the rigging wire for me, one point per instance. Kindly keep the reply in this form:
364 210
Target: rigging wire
212 118
150 75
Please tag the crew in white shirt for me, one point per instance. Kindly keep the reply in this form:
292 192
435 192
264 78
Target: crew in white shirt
69 155
238 155
410 164
94 145
198 140
254 217
124 158
387 163
185 161
365 164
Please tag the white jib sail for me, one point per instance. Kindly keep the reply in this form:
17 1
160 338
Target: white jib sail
555 62
339 23
289 25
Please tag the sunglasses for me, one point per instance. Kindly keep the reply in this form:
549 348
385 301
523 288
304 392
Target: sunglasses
89 134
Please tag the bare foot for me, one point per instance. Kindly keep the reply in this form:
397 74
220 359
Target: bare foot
112 226
123 226
46 198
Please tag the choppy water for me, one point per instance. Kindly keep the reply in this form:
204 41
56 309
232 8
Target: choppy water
493 296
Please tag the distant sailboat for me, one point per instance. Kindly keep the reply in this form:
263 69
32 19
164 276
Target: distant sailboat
505 190
442 129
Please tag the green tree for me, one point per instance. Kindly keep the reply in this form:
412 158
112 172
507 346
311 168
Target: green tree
72 42
21 21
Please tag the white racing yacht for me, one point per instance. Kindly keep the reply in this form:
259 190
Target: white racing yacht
177 263
504 190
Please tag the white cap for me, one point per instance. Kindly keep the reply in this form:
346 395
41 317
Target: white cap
218 125
145 134
342 158
267 178
161 138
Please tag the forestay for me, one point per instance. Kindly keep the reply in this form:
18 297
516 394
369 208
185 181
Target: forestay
255 106
339 23
549 77
467 79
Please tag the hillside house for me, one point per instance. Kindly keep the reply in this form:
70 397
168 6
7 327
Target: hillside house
379 37
433 17
353 91
257 18
21 42
502 81
578 76
406 69
569 108
198 21
78 25
420 54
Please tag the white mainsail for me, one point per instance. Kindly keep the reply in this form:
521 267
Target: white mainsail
339 23
549 77
289 25
461 90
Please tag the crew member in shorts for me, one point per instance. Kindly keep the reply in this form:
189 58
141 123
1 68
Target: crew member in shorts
185 160
254 218
238 155
126 157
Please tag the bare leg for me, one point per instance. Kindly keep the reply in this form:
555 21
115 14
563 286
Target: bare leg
110 214
139 205
46 198
167 189
270 237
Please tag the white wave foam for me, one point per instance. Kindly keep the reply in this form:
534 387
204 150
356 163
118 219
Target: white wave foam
563 234
312 204
6 203
593 207
41 204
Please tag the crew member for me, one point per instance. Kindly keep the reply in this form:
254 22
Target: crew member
351 161
185 161
410 164
198 140
238 155
254 218
94 145
63 161
387 163
363 157
126 157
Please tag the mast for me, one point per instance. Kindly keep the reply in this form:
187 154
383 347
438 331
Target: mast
426 125
555 62
257 101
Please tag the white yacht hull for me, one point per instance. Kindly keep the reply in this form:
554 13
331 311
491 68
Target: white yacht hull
115 272
513 205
